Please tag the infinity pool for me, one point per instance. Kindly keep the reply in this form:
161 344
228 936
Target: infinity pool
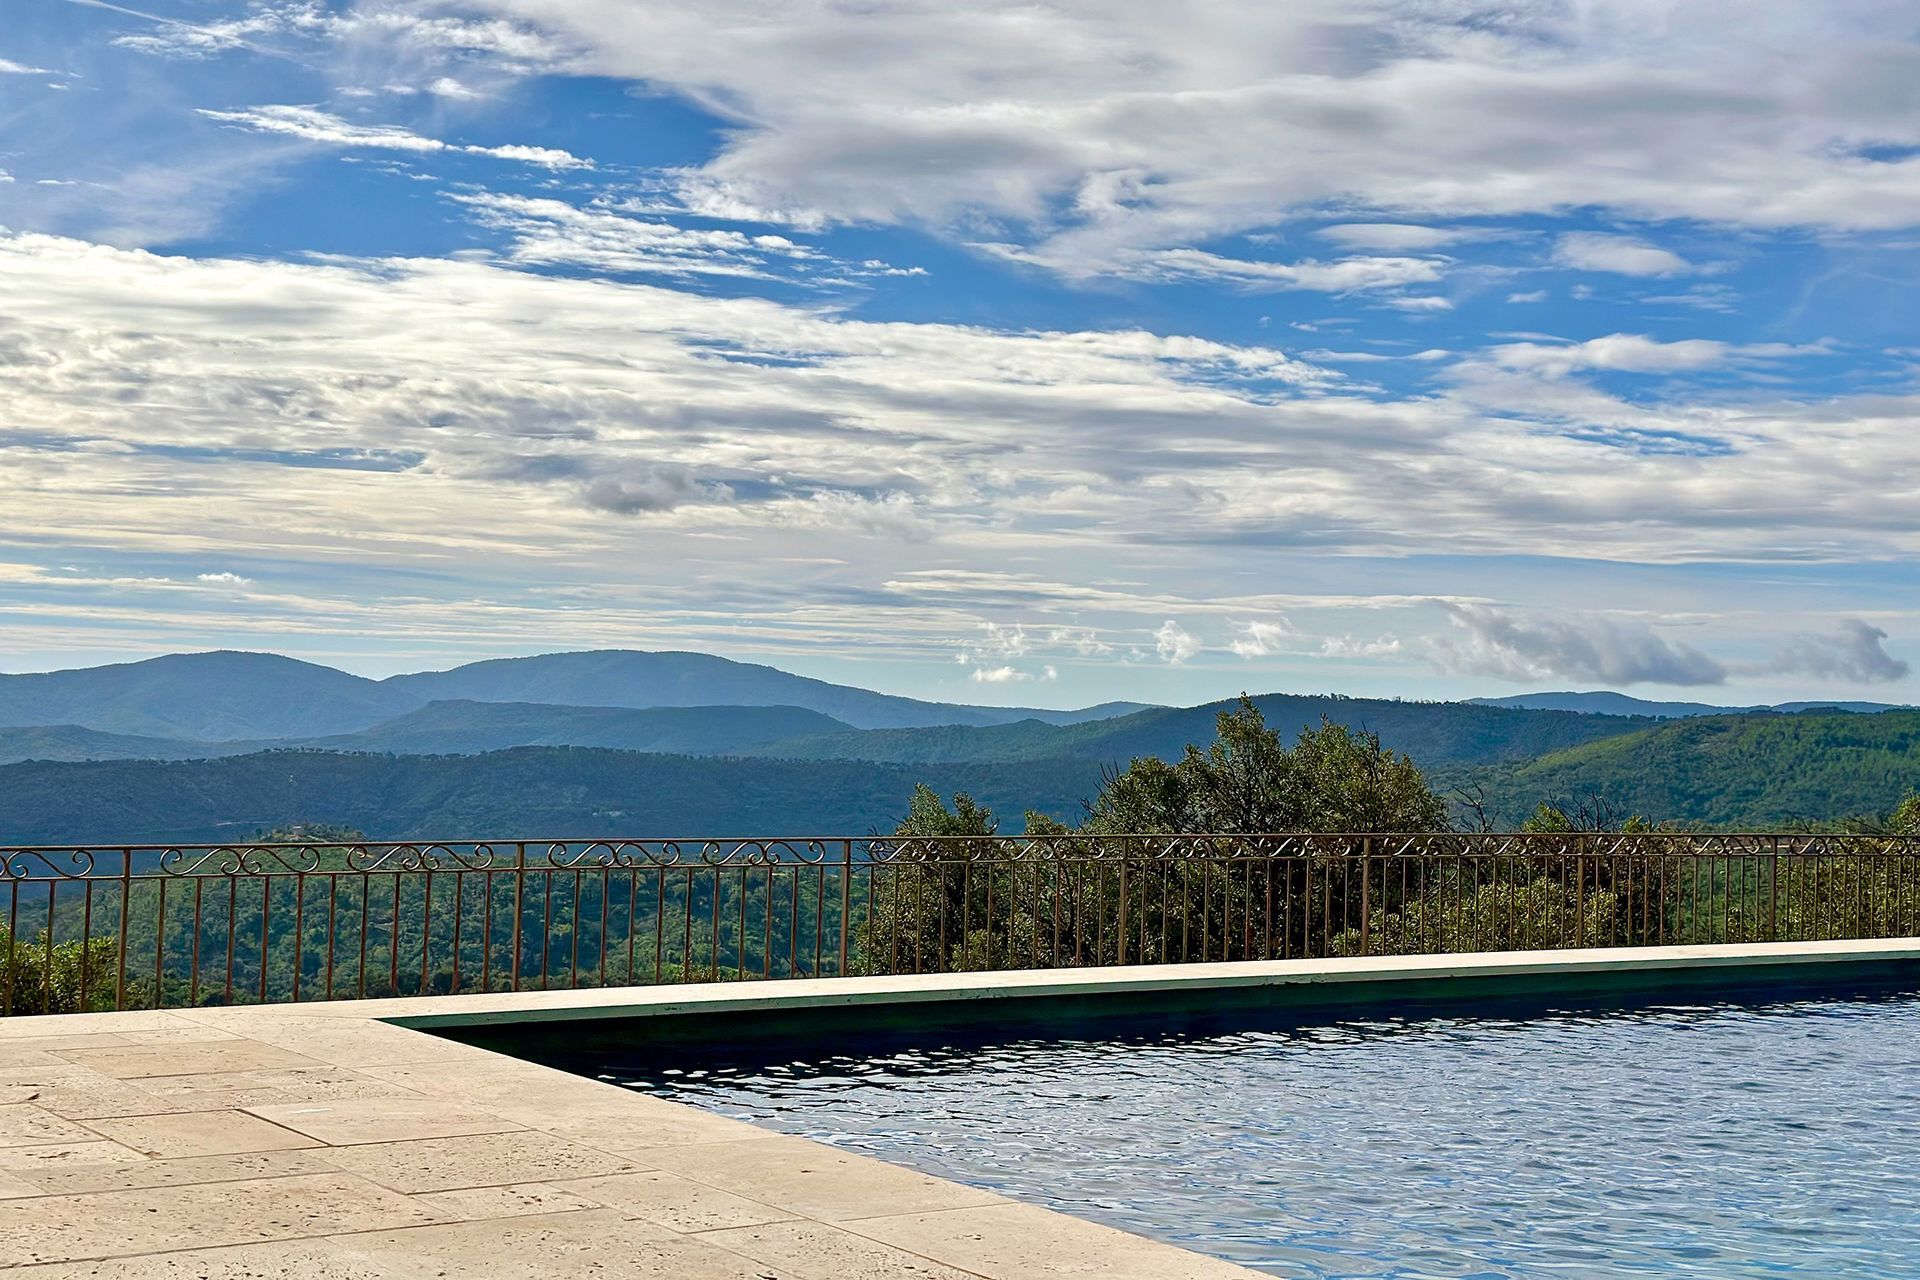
1767 1135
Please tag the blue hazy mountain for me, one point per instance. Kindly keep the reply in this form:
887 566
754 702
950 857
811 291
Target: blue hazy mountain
229 696
629 678
1603 702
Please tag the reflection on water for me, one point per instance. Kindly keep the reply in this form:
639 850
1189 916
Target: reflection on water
1709 1140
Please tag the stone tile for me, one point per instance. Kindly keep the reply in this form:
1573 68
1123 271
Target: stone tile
13 1187
483 1160
118 1223
243 1089
24 1125
812 1180
38 1051
636 1123
134 1061
565 1246
674 1202
819 1251
291 1260
31 1161
244 1167
183 1033
401 1119
14 1057
75 1093
83 1024
198 1133
1017 1241
344 1042
476 1203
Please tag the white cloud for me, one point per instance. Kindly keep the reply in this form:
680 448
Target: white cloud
1107 128
549 233
223 580
1394 237
314 125
1345 275
997 675
1532 295
1637 353
668 454
11 68
1856 652
1258 639
1353 647
1583 647
1620 255
1422 304
1174 643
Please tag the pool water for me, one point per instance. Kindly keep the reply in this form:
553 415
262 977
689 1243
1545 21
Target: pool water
1698 1137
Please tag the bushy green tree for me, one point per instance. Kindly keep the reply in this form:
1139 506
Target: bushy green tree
1248 781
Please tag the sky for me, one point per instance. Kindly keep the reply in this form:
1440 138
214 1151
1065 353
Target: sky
1036 353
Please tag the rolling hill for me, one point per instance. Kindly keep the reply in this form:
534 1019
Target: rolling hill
526 792
1743 770
470 728
248 698
626 678
1433 733
1602 702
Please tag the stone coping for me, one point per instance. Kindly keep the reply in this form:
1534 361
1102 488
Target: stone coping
338 1140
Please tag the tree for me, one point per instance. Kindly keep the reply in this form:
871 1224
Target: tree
1247 781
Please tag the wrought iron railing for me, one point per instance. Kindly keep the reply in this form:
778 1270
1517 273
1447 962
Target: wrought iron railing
152 926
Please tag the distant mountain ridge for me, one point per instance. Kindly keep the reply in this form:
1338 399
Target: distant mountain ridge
228 696
1755 771
1606 702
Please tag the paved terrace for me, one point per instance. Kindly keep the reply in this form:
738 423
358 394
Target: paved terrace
328 1140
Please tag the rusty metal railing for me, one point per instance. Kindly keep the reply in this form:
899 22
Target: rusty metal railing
168 926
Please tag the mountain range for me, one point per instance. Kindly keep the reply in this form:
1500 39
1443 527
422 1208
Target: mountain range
221 745
1603 702
228 696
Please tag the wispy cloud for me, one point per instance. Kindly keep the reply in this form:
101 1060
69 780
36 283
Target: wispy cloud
314 125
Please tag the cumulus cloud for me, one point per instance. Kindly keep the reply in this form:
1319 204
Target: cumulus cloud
1620 255
1586 647
1258 639
1174 643
314 125
1856 652
223 580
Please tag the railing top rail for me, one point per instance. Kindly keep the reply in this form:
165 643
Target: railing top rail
114 846
26 863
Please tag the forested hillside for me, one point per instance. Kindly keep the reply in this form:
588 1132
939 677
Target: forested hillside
1433 733
528 791
1745 771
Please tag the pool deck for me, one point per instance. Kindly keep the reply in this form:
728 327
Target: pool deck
329 1140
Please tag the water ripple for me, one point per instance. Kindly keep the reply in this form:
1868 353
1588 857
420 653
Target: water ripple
1688 1140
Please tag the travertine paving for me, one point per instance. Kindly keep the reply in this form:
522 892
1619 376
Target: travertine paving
325 1140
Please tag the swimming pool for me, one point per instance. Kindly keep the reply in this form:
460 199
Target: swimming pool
1705 1131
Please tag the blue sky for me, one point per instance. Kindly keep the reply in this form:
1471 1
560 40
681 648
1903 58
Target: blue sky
1039 352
